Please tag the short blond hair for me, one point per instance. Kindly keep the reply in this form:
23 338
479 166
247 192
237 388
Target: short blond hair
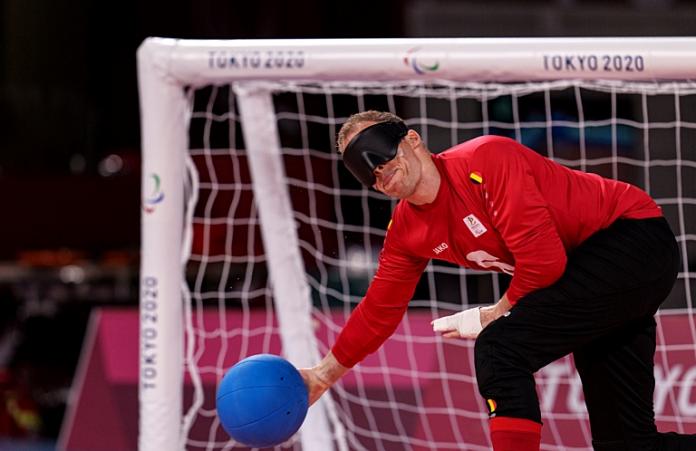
359 118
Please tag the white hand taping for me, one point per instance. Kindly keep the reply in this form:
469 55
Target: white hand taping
467 323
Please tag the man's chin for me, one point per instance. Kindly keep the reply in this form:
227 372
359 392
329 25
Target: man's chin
390 194
398 195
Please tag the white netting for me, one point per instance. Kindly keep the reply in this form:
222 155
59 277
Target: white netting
418 392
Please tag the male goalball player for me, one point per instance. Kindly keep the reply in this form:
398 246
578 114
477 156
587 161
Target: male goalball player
591 260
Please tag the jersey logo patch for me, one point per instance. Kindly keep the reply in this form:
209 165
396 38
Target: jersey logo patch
475 227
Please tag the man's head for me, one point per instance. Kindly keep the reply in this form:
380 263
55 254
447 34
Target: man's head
382 152
359 121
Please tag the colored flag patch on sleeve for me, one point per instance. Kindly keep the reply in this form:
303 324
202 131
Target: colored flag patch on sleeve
476 177
491 404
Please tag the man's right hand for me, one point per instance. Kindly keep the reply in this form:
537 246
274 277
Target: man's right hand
321 377
315 385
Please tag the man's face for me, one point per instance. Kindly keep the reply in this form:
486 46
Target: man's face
399 177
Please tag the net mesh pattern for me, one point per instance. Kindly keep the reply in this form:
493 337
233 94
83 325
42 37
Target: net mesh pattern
418 392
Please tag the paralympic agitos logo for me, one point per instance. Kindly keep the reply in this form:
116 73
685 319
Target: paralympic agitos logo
418 62
155 195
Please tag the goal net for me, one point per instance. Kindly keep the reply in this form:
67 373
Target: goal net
257 239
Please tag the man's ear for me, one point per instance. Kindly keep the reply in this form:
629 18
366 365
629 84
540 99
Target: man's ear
413 138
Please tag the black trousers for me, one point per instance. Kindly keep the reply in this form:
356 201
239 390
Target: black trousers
601 310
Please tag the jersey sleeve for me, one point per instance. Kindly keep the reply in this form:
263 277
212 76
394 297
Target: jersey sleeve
384 305
521 216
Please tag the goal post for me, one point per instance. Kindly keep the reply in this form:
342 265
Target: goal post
169 70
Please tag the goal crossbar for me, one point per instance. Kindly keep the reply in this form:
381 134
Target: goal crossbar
198 62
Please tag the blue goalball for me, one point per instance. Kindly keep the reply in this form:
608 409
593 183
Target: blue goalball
262 401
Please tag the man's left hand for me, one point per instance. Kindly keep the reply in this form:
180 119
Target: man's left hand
466 324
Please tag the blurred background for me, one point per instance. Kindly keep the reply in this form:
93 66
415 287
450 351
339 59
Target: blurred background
70 147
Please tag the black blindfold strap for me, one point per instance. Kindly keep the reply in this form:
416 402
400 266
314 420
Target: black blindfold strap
373 146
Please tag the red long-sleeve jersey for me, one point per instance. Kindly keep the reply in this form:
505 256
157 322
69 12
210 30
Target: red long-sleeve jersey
500 207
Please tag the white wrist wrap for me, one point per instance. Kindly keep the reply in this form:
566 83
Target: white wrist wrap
467 323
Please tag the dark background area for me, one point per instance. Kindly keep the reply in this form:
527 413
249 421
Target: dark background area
69 101
70 149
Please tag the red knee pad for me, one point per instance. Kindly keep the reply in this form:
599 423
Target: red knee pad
515 434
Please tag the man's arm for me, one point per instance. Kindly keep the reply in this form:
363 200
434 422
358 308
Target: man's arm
374 319
379 313
520 214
